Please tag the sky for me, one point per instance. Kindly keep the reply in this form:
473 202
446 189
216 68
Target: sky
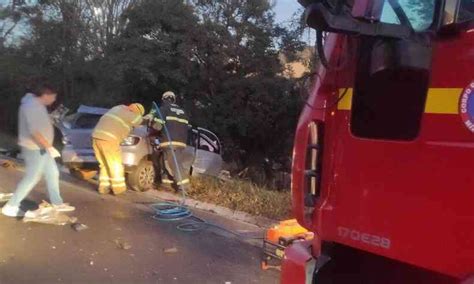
284 9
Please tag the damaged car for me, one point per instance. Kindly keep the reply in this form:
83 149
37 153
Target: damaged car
203 151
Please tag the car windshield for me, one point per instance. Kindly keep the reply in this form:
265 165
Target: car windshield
417 14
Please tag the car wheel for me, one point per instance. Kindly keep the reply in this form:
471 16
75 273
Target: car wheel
142 177
82 174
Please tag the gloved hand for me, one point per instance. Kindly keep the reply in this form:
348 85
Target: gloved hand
53 152
148 117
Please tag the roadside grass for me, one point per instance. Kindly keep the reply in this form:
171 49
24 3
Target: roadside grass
242 196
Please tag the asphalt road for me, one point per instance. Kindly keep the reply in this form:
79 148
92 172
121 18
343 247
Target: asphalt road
158 253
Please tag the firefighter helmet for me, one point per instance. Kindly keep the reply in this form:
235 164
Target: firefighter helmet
169 96
138 108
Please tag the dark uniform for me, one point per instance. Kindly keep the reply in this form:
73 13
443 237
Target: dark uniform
176 122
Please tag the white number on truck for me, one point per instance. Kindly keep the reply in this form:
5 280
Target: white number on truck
366 238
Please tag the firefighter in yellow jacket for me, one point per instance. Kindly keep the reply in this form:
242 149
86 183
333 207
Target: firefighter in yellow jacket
112 129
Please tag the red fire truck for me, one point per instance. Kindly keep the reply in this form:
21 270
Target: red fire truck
383 161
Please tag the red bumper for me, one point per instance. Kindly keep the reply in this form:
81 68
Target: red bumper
298 264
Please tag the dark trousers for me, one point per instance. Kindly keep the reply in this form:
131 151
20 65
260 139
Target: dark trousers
173 172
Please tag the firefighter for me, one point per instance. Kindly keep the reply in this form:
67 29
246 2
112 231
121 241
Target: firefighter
175 122
112 129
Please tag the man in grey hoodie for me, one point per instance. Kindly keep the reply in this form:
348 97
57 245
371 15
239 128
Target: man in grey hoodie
35 137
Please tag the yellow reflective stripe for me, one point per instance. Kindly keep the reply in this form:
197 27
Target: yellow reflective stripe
174 118
117 179
185 181
166 181
438 100
346 102
122 184
179 144
106 133
118 119
443 101
159 120
137 119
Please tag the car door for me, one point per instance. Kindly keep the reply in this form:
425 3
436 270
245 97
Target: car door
207 157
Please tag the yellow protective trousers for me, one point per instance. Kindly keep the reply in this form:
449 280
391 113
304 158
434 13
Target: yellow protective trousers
109 156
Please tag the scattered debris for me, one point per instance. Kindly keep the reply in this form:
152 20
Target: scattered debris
46 214
53 247
170 250
4 197
8 164
91 263
122 244
225 175
79 227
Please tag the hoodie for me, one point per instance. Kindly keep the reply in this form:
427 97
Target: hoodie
33 117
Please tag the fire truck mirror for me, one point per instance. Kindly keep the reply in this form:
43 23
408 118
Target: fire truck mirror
458 15
346 18
398 54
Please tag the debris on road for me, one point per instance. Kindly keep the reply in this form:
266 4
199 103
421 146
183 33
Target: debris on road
4 197
170 250
8 164
79 227
46 214
122 244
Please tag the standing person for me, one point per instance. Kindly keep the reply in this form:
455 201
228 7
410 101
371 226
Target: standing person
175 121
112 129
35 137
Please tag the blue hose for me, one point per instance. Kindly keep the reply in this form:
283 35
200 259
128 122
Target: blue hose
173 211
170 211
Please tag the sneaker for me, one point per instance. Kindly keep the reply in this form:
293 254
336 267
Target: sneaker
12 211
65 207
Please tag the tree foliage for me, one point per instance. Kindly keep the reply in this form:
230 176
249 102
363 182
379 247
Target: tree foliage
220 57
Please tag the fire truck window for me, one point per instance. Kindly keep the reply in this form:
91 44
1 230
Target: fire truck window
466 11
389 104
420 13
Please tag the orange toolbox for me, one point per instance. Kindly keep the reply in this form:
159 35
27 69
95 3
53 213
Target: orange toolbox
278 238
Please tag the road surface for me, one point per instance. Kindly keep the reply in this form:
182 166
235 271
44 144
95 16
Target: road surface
159 253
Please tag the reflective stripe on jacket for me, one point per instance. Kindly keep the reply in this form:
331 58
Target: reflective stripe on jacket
116 124
177 124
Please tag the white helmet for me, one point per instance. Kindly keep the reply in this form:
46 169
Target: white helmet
169 96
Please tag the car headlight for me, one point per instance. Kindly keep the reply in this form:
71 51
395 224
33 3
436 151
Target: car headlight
130 141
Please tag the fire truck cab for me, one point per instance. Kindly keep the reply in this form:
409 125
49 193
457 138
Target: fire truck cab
383 159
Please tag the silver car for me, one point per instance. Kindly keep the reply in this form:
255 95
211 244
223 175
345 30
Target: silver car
203 150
